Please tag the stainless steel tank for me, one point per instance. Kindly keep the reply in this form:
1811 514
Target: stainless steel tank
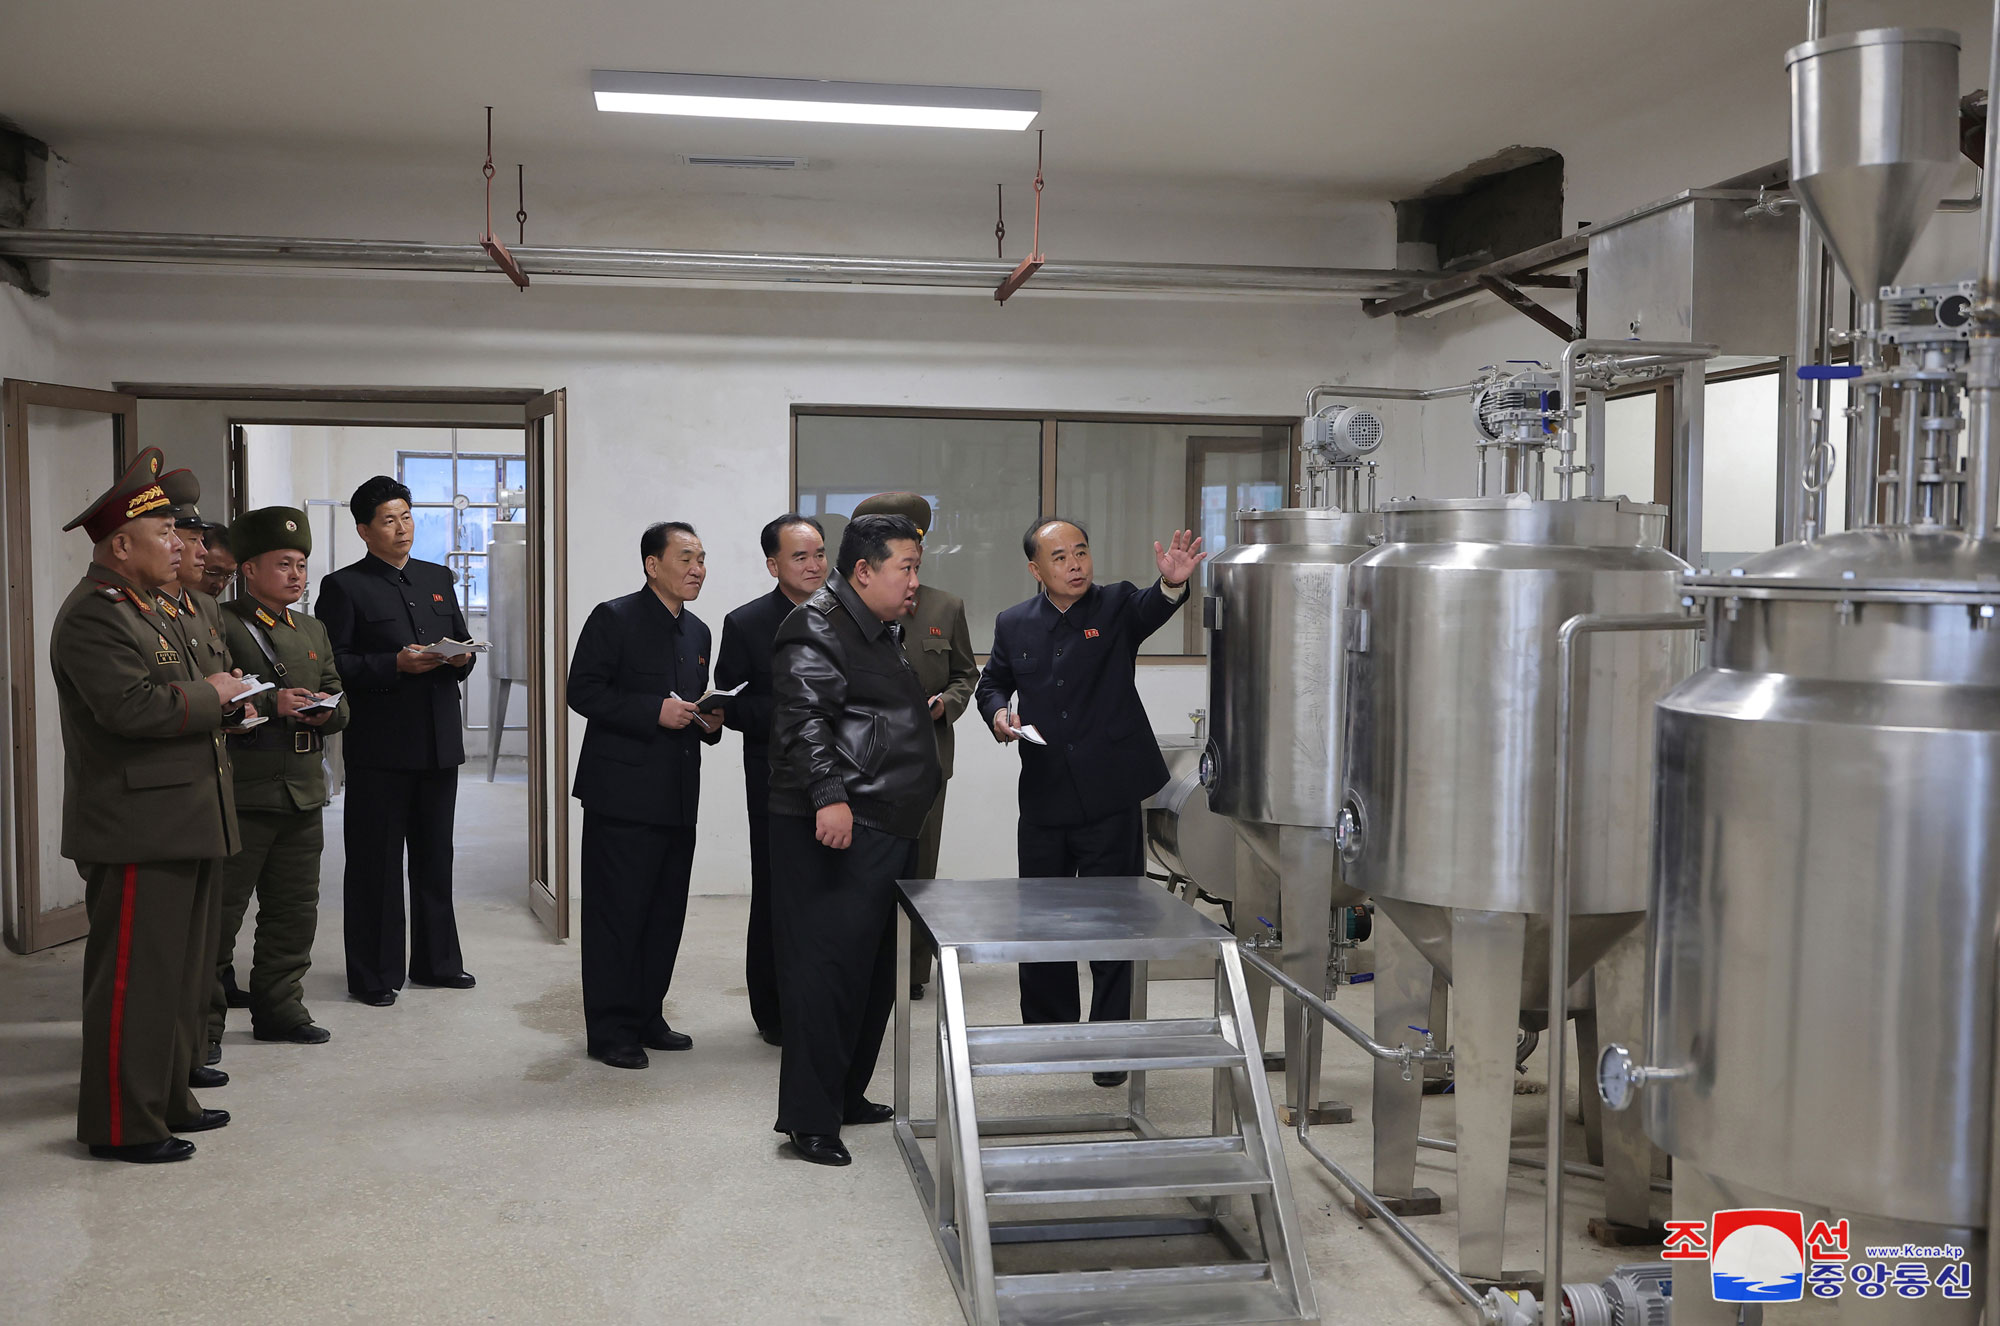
1275 663
1452 697
1452 782
1828 886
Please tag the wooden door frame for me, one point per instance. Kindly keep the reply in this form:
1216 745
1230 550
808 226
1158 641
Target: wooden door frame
28 928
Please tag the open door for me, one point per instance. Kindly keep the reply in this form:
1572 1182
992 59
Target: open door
62 447
548 662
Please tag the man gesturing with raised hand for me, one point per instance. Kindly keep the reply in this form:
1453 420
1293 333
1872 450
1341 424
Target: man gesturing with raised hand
1070 654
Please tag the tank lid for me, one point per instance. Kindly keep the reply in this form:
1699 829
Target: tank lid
1841 41
1606 522
1307 525
1866 564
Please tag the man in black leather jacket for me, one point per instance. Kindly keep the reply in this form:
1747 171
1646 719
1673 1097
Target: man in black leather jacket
854 770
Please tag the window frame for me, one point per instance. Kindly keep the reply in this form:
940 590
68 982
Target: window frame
1049 419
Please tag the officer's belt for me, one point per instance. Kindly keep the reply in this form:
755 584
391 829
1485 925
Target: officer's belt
270 737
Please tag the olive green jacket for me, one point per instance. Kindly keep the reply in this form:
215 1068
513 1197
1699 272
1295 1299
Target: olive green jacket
279 765
145 775
940 649
199 617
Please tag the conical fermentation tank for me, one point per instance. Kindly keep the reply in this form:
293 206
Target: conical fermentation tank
1451 746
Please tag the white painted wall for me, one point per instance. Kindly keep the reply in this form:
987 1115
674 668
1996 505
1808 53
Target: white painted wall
679 407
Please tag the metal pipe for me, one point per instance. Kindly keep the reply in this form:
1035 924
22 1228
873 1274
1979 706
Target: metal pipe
1361 393
1624 355
693 265
1983 371
1576 1167
1425 1253
1400 1054
1566 652
1796 433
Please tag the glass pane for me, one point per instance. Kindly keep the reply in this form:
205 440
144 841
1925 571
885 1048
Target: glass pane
1739 490
71 460
427 477
516 482
1629 433
982 476
1134 484
433 539
477 477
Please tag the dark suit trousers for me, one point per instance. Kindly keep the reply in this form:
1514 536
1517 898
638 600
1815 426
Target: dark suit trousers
1114 845
147 967
834 917
387 811
635 901
760 960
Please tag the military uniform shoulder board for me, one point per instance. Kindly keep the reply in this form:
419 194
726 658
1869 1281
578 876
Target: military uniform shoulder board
111 592
266 618
171 609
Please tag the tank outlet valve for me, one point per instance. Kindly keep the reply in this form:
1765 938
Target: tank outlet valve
1205 771
1620 1076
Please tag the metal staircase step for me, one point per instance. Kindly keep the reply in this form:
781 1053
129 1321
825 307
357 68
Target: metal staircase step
1083 1047
1171 1296
1120 1171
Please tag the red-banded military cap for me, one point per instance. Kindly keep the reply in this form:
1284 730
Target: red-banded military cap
142 490
910 506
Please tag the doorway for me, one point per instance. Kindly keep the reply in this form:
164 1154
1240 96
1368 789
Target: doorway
487 469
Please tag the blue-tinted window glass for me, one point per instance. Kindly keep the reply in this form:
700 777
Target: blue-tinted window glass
476 478
427 477
433 539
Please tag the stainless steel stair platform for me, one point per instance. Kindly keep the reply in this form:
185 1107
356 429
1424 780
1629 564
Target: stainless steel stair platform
1230 1183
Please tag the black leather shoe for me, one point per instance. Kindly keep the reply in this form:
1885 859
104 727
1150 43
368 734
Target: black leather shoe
625 1056
147 1153
821 1148
238 999
462 981
201 1077
869 1112
377 998
1108 1079
306 1033
203 1122
664 1037
916 989
772 1036
214 1053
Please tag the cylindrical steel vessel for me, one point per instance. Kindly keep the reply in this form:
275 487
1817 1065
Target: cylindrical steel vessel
1451 742
1275 664
1827 885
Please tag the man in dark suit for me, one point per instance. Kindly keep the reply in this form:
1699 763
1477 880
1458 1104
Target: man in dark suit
1070 653
941 652
795 555
640 669
403 746
854 770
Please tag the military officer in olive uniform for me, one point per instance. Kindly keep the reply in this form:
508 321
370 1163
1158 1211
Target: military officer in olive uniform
148 814
942 656
191 606
280 778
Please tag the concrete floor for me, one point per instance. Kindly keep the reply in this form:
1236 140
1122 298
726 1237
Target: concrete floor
457 1158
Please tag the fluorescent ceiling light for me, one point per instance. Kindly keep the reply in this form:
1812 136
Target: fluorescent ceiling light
725 96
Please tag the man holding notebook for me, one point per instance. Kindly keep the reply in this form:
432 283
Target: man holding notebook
640 676
387 615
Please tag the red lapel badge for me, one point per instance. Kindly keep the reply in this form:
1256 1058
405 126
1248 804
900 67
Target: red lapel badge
1090 633
437 598
937 630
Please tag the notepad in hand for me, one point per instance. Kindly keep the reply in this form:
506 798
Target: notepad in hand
254 686
711 694
453 648
326 702
1026 732
255 720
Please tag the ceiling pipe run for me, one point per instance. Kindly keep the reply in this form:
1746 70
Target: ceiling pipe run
638 265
